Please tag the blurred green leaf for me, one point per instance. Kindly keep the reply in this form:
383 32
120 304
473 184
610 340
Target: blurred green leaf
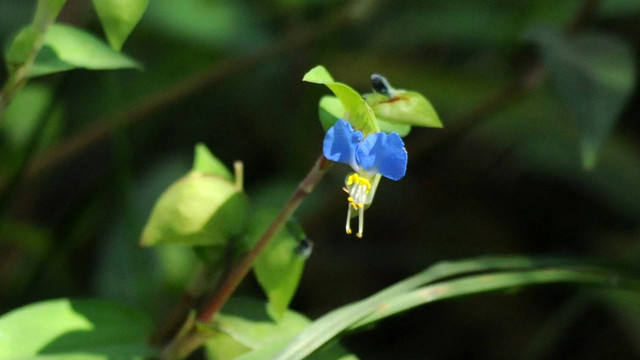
279 266
594 74
74 329
246 321
405 107
357 111
199 209
447 280
205 162
22 116
119 18
207 24
67 48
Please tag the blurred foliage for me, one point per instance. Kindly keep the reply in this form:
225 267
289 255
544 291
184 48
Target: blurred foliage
85 154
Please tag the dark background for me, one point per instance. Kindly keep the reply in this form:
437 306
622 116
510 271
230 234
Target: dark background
503 177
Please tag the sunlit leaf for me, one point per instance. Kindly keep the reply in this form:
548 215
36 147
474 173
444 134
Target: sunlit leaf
594 75
74 329
405 107
67 48
199 209
357 111
119 18
205 162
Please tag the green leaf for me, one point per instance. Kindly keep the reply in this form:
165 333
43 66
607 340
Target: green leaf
330 109
199 209
21 117
405 107
594 75
246 321
74 329
205 162
390 126
67 48
447 280
318 75
357 111
279 267
119 18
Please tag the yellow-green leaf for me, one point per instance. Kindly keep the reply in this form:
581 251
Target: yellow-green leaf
119 18
199 209
357 111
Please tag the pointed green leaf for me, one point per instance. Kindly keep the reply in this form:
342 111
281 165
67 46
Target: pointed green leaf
205 162
357 111
74 329
199 209
119 18
318 75
67 48
594 74
279 267
405 107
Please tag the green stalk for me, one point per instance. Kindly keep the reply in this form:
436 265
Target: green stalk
20 60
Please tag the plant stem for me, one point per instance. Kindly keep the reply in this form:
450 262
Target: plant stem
239 271
46 13
187 341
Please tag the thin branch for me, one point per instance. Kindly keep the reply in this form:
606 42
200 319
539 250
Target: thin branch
45 16
183 345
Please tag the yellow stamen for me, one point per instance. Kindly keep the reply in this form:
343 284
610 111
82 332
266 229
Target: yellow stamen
358 187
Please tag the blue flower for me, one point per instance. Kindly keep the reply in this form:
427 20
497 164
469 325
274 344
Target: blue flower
371 156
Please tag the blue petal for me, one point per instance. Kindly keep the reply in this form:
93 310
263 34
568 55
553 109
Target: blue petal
341 142
383 154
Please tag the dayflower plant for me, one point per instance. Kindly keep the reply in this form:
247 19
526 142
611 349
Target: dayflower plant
354 137
371 156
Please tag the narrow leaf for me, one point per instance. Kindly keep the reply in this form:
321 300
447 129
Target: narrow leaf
500 273
119 18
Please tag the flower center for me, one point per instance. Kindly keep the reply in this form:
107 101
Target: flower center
358 188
